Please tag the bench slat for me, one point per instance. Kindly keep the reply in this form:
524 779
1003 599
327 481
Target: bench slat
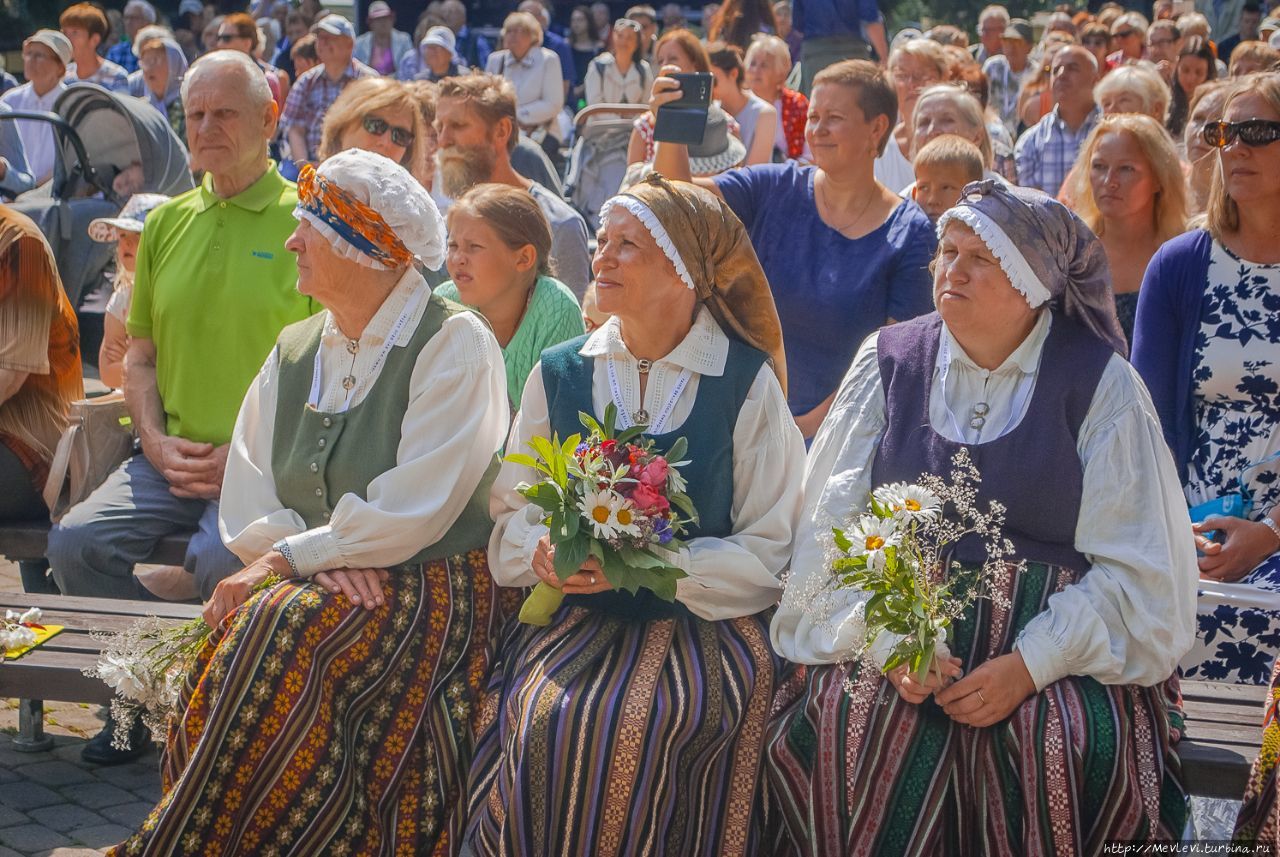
53 675
104 607
24 540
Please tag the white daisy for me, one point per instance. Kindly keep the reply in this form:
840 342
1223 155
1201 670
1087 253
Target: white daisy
625 518
600 508
909 501
871 536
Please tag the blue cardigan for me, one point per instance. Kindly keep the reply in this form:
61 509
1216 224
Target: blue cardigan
1164 335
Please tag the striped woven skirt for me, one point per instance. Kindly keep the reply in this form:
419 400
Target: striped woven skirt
856 770
1259 818
608 737
315 726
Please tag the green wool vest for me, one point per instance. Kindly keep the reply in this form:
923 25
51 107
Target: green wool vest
318 457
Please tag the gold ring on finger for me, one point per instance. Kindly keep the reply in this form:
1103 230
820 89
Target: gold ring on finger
981 698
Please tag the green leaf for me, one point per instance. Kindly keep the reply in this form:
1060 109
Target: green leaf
684 504
589 423
677 450
642 559
842 541
610 420
630 434
523 460
570 555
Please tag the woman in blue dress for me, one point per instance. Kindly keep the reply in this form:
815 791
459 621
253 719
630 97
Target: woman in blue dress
844 255
1207 343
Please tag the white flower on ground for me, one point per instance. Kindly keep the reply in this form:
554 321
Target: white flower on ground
909 501
871 536
601 509
31 617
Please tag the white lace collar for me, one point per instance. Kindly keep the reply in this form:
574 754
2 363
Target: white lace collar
376 331
705 349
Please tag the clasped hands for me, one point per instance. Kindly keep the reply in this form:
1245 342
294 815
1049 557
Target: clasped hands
363 586
588 580
193 470
986 696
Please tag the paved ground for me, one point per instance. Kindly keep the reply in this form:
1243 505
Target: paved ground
54 805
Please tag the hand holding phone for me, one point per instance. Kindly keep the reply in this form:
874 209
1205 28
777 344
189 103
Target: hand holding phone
685 119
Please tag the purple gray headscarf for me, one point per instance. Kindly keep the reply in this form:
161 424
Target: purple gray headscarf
1048 253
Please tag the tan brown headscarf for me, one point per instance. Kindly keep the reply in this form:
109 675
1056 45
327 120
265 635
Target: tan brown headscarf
719 262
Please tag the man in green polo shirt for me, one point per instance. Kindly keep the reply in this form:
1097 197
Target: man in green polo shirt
214 287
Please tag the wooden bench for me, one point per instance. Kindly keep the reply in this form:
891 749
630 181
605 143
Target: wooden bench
54 670
26 542
1224 732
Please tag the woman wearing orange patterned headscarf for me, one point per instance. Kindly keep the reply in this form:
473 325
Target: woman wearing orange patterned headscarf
329 712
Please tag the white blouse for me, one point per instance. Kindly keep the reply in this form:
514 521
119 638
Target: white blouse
454 424
1127 621
728 577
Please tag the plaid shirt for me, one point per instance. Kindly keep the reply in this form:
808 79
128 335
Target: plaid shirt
109 75
310 97
1002 88
121 53
1047 150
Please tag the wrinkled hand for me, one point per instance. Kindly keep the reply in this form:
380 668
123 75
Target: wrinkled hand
938 677
588 580
361 585
193 470
665 88
233 591
1243 546
990 693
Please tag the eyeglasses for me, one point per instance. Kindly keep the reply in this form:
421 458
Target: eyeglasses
1252 132
377 127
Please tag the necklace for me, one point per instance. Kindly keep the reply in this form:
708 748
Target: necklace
831 209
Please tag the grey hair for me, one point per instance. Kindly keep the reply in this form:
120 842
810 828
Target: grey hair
1142 80
970 110
146 8
256 81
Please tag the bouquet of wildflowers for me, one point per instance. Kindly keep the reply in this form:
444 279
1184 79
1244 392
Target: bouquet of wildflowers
896 551
611 496
146 665
19 630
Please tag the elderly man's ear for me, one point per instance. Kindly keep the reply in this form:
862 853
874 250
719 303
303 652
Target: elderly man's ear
271 118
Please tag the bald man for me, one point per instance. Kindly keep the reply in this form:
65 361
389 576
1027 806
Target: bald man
1047 150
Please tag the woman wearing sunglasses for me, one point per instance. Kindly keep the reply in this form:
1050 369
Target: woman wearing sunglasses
1207 343
239 32
378 115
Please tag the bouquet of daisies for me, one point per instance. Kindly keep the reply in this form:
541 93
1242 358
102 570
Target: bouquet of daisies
611 496
18 630
895 553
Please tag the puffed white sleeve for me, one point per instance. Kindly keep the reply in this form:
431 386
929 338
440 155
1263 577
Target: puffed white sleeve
1131 618
250 517
454 424
517 523
818 623
740 574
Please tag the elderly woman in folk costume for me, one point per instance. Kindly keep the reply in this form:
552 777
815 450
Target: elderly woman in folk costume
1051 731
633 725
331 712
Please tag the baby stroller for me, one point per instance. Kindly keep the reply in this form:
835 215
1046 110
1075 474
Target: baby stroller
99 135
598 159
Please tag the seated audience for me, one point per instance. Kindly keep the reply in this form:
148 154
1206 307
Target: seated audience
1164 45
1096 39
435 58
158 79
45 56
472 47
1046 152
85 26
536 77
125 231
757 119
137 15
331 712
619 75
1128 38
476 121
1209 365
212 254
943 167
843 254
768 65
316 90
39 365
499 263
1036 97
1128 187
383 47
913 67
1195 67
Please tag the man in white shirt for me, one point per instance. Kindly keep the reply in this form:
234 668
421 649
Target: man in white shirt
476 122
45 56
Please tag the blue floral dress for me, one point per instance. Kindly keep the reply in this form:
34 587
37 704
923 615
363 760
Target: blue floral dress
1237 401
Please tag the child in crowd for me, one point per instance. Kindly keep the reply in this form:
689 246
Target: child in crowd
943 167
126 230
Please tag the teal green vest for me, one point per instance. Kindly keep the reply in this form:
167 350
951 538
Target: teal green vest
318 457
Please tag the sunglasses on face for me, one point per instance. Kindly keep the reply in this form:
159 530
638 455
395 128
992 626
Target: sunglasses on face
402 137
1252 132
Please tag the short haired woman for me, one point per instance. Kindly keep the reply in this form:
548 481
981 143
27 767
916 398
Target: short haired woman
843 253
757 118
1135 88
380 115
328 712
1196 66
535 73
913 66
499 253
239 32
950 109
768 63
631 724
1130 190
679 48
1056 673
1206 344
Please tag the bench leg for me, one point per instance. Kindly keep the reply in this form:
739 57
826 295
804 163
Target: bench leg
31 737
36 578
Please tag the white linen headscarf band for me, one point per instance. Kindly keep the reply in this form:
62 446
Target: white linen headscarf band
1011 260
650 221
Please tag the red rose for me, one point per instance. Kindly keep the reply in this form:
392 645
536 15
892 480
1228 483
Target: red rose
648 500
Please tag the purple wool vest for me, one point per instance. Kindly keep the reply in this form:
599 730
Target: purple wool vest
1034 470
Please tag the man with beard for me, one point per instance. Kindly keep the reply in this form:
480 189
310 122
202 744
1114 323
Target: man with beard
476 122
